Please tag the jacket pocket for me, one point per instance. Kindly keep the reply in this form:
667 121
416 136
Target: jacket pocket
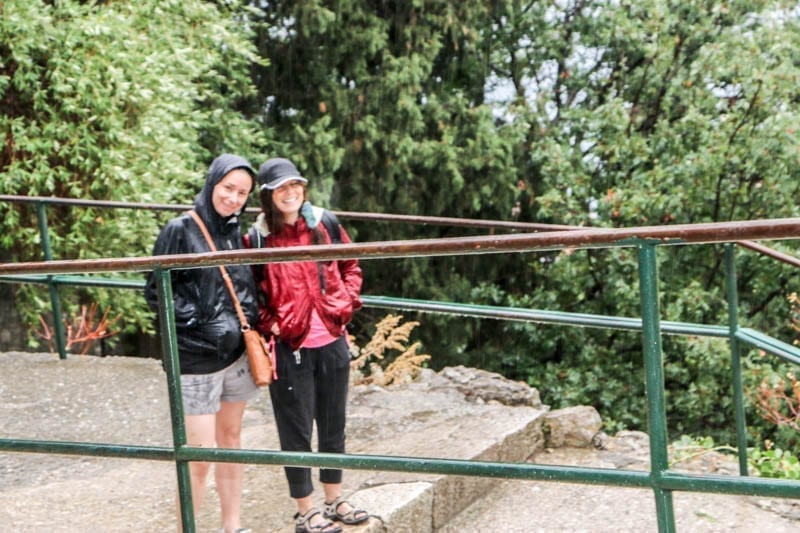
225 335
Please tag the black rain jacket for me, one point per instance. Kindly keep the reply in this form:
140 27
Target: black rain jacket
208 330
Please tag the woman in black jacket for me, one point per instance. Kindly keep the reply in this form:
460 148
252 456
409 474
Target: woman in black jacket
215 377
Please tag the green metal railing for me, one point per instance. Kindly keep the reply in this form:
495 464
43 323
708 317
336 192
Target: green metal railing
645 240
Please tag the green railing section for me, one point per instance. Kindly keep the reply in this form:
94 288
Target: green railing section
660 478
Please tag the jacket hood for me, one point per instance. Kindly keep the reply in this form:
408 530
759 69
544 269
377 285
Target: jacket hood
218 169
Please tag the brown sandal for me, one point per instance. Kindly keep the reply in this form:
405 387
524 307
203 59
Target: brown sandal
354 516
302 523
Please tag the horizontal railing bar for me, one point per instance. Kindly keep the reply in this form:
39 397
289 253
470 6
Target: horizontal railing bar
82 281
428 465
451 221
352 215
768 344
79 202
334 460
775 254
749 336
158 453
591 238
524 471
478 311
537 315
363 216
744 485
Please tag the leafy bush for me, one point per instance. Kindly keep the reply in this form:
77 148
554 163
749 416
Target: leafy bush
688 448
774 463
123 101
770 462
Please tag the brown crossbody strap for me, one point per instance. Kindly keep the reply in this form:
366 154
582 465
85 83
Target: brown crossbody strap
225 276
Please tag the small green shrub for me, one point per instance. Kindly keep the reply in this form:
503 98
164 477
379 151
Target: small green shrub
688 448
773 463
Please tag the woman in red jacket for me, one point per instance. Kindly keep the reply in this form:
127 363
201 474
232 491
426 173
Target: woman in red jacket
306 306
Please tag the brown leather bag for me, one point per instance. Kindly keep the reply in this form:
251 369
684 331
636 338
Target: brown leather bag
258 353
259 356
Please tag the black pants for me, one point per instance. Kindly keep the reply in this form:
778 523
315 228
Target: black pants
311 387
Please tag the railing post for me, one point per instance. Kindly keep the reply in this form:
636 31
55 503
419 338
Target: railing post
654 384
169 354
55 299
736 362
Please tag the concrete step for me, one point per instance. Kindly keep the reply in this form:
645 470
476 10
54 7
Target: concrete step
123 401
427 420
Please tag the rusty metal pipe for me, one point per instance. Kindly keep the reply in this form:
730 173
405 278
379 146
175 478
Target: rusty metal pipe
717 232
352 215
775 254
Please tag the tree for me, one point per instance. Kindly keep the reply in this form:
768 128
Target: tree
115 101
579 112
381 104
588 113
646 113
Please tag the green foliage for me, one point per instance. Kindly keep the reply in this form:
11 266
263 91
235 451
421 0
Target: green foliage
402 91
772 392
583 113
114 101
687 448
774 463
594 113
655 115
770 462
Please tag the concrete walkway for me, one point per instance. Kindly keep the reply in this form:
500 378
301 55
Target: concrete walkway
123 401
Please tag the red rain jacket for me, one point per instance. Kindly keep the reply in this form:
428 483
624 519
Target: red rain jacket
289 291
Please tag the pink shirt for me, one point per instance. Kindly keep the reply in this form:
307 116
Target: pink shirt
318 334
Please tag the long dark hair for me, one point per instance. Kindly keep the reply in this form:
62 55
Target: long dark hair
274 218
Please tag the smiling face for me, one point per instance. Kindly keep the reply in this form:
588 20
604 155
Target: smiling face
230 194
288 198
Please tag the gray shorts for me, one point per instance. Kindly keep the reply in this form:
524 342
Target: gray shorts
202 393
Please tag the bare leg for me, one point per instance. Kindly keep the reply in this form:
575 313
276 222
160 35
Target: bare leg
229 476
333 491
304 505
199 433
